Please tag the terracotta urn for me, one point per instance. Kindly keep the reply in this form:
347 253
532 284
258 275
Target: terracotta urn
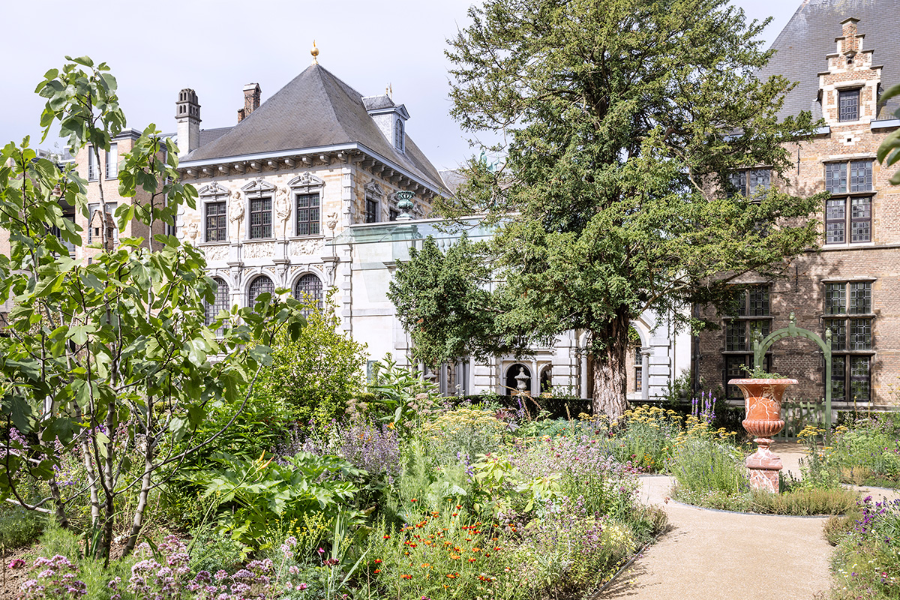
762 398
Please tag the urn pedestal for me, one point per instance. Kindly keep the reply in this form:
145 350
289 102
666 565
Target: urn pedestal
762 398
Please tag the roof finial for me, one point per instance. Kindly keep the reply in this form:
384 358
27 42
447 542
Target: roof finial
315 53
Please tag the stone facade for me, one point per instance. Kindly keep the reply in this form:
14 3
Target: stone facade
860 253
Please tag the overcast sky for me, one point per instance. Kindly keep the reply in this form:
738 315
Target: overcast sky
216 46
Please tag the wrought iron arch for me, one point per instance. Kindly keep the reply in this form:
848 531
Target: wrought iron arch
761 346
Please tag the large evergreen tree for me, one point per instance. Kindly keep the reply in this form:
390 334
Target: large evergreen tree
621 121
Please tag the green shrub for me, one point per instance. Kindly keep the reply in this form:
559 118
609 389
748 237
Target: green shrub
709 465
804 502
211 551
866 563
867 453
317 375
19 527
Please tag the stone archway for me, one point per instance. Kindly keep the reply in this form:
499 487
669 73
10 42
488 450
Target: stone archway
510 379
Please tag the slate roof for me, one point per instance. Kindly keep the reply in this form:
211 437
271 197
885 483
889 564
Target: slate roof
809 35
314 110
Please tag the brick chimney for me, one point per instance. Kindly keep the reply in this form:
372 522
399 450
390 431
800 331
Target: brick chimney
251 101
849 42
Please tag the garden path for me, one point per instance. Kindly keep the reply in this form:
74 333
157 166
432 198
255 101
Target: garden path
716 555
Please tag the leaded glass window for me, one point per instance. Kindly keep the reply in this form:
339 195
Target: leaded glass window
835 221
759 301
758 181
861 176
861 219
309 289
216 222
638 369
860 298
838 378
835 298
848 105
221 303
860 388
260 218
260 285
838 333
736 336
860 334
836 178
308 214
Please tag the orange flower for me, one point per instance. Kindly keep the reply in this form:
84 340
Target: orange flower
412 500
471 560
378 570
377 561
406 576
387 537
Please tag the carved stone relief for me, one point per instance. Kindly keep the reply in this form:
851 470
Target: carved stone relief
216 253
258 250
283 208
306 247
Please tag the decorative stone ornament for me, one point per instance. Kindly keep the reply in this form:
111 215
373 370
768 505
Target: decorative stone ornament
763 420
521 380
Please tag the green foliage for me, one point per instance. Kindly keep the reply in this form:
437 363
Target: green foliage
401 398
210 551
316 374
262 493
805 501
97 357
867 453
889 151
866 563
619 121
19 527
704 465
758 372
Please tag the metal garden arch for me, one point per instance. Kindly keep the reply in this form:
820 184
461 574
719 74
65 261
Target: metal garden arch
761 346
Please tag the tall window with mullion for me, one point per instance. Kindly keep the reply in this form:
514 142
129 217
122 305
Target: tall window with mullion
853 213
260 285
221 303
260 218
638 370
309 289
851 339
308 214
749 183
753 310
216 222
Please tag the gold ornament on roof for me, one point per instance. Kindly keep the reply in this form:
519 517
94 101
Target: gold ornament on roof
315 53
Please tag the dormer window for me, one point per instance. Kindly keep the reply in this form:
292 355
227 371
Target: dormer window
848 105
398 135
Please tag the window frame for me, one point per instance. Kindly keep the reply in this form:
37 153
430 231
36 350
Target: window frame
745 183
638 369
92 174
317 294
754 310
853 330
221 221
222 302
372 209
112 170
266 201
258 280
309 220
851 185
853 92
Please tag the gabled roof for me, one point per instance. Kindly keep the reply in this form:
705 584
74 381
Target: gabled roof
810 35
314 110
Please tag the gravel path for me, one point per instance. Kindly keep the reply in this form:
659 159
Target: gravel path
715 555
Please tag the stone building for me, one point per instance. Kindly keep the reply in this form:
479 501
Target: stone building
843 55
293 173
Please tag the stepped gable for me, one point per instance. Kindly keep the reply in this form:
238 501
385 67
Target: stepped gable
314 110
810 35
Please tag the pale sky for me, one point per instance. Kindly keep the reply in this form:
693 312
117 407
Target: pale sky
215 47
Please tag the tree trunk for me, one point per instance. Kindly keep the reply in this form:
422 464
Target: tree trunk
610 342
138 522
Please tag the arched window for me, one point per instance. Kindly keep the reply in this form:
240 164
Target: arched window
260 285
221 302
309 288
398 135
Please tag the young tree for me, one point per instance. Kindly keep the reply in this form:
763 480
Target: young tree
110 357
622 121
